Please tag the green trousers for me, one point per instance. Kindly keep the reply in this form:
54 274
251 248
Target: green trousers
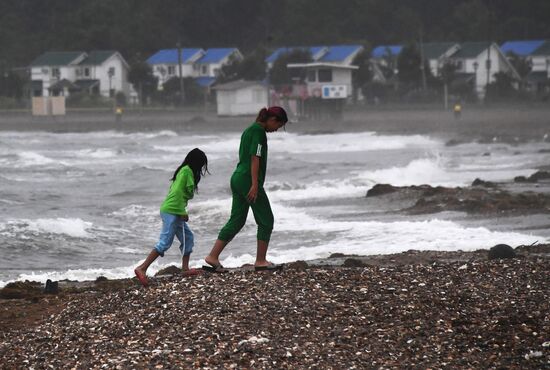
240 186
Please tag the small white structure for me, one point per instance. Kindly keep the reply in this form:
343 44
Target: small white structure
481 61
48 106
241 98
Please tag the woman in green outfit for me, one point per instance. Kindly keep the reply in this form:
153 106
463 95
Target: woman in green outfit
173 213
248 192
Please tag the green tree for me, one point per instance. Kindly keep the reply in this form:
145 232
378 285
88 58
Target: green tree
281 75
521 64
141 77
408 65
251 67
502 88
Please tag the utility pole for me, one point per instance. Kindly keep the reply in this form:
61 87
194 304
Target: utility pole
182 93
488 60
422 62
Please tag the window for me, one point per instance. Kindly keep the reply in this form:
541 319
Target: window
311 75
204 69
56 73
86 72
171 70
111 71
325 75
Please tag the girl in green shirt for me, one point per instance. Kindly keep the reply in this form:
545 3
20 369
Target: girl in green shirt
174 213
248 191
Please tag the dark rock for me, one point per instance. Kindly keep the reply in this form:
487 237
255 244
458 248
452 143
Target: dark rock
354 262
520 179
170 270
21 289
52 287
486 154
453 142
501 251
337 255
101 279
539 175
487 184
381 189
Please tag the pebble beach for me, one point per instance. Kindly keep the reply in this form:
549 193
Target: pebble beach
411 310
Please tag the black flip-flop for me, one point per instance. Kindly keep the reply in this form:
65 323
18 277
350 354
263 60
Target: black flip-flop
217 269
268 268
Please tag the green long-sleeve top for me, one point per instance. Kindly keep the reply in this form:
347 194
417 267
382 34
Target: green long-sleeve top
181 190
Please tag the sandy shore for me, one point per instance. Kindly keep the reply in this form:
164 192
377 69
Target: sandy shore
413 309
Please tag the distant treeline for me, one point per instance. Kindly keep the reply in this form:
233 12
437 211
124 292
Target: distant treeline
137 28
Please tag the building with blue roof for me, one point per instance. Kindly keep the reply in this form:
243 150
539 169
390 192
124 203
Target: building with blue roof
382 51
203 65
335 54
212 60
522 48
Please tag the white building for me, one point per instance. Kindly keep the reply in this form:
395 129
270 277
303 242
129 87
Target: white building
63 73
241 98
51 68
107 70
479 62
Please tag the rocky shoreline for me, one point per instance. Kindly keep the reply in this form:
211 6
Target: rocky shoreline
412 309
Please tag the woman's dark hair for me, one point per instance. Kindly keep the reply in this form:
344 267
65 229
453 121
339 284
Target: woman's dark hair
197 161
277 112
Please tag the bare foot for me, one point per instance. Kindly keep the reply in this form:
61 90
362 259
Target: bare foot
262 263
211 261
191 272
140 274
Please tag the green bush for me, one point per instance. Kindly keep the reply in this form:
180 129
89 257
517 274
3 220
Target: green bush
84 100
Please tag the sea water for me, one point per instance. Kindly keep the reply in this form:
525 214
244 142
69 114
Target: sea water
82 205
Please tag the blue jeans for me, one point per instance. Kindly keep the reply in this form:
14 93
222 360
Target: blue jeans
173 225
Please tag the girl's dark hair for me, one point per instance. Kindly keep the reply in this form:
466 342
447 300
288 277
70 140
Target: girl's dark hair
277 112
197 161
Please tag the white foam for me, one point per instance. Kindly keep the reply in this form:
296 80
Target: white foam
93 273
74 227
438 171
135 210
27 159
370 238
347 142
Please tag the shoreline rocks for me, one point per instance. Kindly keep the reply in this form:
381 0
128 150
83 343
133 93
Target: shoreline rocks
481 198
